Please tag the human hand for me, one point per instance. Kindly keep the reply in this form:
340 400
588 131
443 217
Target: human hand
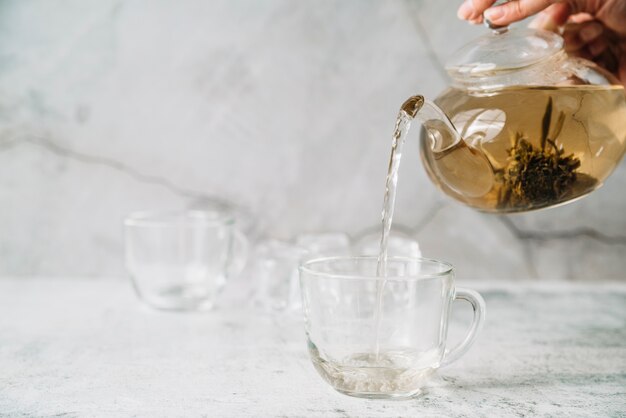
592 29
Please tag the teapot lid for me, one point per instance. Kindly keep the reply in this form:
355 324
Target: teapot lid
503 50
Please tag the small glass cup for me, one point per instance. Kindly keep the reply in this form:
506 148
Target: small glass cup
181 260
377 337
276 269
275 265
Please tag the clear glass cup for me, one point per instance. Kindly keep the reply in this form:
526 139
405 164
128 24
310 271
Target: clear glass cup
379 337
276 270
275 265
181 260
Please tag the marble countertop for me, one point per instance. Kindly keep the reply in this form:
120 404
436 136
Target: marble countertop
72 347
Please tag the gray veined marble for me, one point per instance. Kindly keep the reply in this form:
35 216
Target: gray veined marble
283 107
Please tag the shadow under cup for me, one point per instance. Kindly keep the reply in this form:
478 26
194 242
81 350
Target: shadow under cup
381 337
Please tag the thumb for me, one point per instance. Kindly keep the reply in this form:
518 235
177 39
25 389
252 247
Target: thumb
552 18
514 11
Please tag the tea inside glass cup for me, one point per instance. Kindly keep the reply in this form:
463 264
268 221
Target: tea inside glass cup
381 337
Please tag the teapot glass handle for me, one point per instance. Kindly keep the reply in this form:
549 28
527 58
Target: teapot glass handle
478 306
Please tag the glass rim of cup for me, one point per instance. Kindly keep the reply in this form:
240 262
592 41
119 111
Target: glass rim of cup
305 267
173 218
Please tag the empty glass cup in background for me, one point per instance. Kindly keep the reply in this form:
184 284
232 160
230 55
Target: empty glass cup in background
181 260
379 337
276 265
275 270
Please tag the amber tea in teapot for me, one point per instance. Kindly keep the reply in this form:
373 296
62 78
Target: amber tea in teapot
524 148
523 126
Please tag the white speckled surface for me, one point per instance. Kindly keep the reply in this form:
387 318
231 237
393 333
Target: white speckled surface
74 348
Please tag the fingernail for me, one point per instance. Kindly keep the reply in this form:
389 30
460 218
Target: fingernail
590 32
467 11
494 13
464 11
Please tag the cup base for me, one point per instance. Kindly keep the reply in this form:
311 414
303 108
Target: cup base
177 298
179 307
399 374
388 396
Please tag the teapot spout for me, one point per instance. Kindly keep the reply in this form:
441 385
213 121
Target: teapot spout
443 135
413 105
448 159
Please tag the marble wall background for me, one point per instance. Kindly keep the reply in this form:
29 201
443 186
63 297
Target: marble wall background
284 107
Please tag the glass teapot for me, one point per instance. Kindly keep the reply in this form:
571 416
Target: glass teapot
523 126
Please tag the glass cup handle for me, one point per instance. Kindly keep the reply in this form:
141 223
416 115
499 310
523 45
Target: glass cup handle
478 306
239 254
